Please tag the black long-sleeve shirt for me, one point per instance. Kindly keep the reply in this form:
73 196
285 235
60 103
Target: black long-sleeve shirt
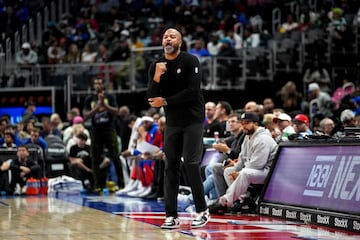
35 169
180 86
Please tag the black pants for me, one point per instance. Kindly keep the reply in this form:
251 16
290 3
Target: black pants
81 175
101 139
183 142
4 182
158 183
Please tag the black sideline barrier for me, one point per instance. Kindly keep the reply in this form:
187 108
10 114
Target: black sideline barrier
317 182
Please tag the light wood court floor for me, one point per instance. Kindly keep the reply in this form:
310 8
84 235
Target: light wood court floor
81 217
29 218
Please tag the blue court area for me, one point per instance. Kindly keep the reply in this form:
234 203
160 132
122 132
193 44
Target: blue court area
112 203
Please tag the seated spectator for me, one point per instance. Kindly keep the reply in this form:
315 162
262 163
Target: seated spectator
25 59
49 129
320 101
144 37
268 105
80 35
73 55
77 129
142 173
22 169
289 25
222 111
55 54
111 40
3 123
157 185
35 138
89 54
104 53
68 132
25 132
29 113
121 51
20 130
283 122
56 121
9 139
289 98
80 162
326 127
301 126
356 102
337 28
268 123
251 38
210 108
257 153
10 129
347 119
214 45
235 38
199 50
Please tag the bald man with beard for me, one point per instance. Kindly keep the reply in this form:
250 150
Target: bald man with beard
174 83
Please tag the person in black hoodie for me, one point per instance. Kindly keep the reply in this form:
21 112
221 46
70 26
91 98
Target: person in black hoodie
22 169
174 83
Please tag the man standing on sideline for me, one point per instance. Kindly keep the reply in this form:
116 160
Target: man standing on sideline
174 83
102 108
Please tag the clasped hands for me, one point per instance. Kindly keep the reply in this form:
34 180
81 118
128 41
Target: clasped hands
156 101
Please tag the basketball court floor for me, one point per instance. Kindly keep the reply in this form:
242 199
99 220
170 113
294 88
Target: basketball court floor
77 216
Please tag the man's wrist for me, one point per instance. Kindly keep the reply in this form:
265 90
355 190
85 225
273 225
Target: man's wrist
157 78
164 102
228 152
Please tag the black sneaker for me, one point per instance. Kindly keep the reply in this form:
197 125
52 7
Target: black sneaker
171 223
250 206
201 219
247 206
237 207
218 209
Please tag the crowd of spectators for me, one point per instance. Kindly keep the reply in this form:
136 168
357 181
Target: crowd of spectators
105 31
143 171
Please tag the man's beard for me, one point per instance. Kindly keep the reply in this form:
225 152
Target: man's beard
171 49
249 131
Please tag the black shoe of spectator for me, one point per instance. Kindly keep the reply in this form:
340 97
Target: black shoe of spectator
237 207
251 206
152 195
247 206
218 209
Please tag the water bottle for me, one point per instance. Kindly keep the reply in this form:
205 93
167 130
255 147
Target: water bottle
43 185
37 186
105 192
29 186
